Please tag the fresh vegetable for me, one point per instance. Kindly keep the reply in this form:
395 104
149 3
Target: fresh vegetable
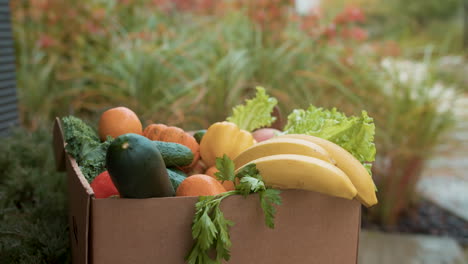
174 154
200 185
355 134
228 185
282 146
84 145
354 169
137 168
256 112
118 121
198 135
176 177
103 186
224 138
210 229
165 133
291 171
263 134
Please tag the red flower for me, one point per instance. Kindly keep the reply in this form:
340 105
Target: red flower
93 28
330 31
350 14
309 21
355 33
46 41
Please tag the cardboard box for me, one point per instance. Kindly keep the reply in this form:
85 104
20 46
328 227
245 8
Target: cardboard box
310 227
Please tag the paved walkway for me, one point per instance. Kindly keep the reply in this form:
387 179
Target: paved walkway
445 179
383 248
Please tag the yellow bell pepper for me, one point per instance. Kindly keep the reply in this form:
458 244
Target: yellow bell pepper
224 138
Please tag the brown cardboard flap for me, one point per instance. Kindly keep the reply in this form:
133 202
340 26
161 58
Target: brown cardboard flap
78 214
310 228
59 146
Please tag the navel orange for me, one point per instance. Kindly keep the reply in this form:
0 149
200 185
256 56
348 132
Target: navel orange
118 121
199 185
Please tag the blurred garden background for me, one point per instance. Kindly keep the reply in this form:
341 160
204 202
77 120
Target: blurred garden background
188 62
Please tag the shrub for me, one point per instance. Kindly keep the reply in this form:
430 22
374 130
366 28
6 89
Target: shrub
33 214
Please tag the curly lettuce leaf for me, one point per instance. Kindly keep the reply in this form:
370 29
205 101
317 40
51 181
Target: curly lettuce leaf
354 133
255 113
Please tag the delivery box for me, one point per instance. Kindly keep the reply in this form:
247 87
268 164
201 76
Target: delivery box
309 227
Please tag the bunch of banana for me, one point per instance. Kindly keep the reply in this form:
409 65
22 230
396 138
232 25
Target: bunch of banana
310 163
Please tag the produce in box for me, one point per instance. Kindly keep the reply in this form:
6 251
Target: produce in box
319 150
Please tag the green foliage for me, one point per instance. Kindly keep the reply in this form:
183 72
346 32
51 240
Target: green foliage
423 11
419 23
210 229
84 145
256 113
33 200
355 134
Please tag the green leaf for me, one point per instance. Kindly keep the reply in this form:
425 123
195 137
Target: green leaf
248 170
223 240
269 198
249 185
210 229
226 169
256 112
355 134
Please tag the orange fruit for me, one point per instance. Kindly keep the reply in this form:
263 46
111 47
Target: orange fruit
118 121
228 185
199 185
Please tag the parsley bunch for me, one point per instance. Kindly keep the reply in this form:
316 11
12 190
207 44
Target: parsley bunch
210 229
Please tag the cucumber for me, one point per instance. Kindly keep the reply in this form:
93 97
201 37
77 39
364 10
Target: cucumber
136 168
199 135
174 154
176 177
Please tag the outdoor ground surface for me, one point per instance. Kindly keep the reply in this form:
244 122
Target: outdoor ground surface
445 179
445 184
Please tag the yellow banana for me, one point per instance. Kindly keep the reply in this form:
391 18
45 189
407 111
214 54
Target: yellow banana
282 146
290 171
356 172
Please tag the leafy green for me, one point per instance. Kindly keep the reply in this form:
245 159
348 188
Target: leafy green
210 228
226 169
93 159
355 134
256 112
268 198
84 145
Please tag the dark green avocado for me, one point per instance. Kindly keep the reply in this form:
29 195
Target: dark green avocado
137 168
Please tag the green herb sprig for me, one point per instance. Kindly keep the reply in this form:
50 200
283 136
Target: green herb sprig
210 229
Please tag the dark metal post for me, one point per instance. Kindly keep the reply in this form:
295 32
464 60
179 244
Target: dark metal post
8 99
